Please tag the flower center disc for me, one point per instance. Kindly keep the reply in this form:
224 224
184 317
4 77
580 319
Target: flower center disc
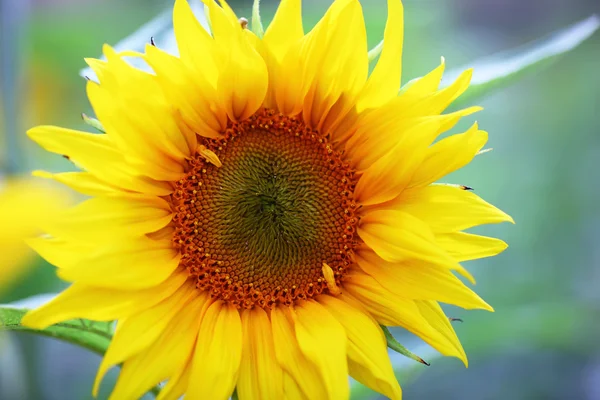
258 230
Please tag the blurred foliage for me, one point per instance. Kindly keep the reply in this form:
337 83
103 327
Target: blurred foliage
542 341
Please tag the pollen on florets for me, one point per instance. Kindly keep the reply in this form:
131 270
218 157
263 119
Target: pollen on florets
258 229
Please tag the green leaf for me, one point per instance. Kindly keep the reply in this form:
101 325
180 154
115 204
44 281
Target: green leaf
398 348
257 26
502 69
94 336
93 122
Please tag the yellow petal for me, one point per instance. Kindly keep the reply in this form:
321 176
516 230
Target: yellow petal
223 27
466 246
142 136
388 176
165 356
243 87
178 383
440 100
387 130
451 119
390 309
397 236
296 367
98 155
419 281
243 76
196 47
285 29
60 252
261 376
322 339
422 87
98 66
25 206
448 155
421 97
15 260
449 209
189 92
434 314
82 301
369 362
287 94
229 13
274 68
384 82
83 182
291 389
378 130
152 117
110 218
335 64
137 264
139 331
218 354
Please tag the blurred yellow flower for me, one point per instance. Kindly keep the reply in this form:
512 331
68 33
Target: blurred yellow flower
260 205
26 205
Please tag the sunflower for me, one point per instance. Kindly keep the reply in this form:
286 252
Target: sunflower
261 205
24 204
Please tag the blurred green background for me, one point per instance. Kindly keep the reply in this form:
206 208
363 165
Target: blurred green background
543 340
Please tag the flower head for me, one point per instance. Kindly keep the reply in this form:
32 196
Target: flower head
260 205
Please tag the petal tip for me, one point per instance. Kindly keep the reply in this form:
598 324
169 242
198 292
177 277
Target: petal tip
485 306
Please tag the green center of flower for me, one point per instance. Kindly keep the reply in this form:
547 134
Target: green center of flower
259 229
